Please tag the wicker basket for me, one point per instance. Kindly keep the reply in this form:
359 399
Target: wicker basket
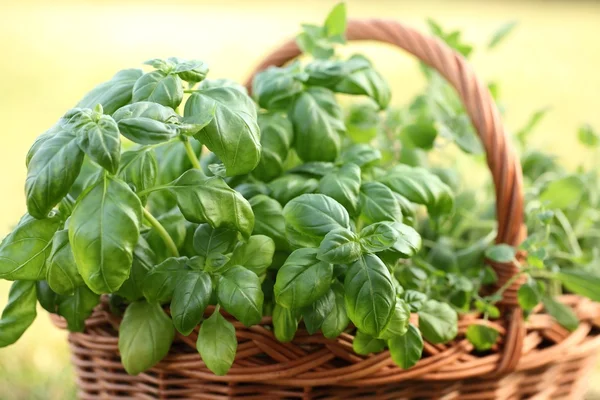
534 359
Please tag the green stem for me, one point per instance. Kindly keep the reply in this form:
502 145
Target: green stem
145 192
162 232
564 222
190 153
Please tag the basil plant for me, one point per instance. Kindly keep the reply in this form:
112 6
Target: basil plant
174 198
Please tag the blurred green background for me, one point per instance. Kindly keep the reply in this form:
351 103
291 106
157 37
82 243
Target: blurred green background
54 52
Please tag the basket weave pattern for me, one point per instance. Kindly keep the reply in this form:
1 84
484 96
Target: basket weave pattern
533 359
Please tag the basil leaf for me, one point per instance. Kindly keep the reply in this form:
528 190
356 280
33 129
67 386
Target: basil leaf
335 23
287 187
46 297
276 137
408 241
314 169
77 307
145 336
211 200
378 237
217 343
240 294
362 79
406 350
366 344
97 136
269 220
114 93
361 154
581 282
24 251
160 281
255 255
377 203
422 187
276 87
482 337
363 125
147 123
343 185
561 313
139 169
437 322
414 299
370 294
144 259
302 279
19 313
285 323
208 240
309 217
62 274
159 87
399 322
103 229
190 298
529 295
318 123
251 189
39 142
233 134
192 71
340 246
51 172
315 314
337 319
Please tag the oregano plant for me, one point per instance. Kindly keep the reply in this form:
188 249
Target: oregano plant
181 202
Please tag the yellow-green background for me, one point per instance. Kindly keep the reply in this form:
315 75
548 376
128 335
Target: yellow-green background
52 52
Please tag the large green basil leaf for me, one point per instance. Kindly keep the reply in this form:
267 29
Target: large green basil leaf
285 323
438 322
97 135
360 154
114 93
240 293
315 314
211 200
378 237
144 259
147 123
581 282
159 87
408 241
343 185
563 314
190 298
51 171
62 274
192 71
481 336
269 220
363 123
287 187
377 203
208 240
398 324
318 123
276 137
78 307
370 294
39 142
19 312
256 254
139 169
325 73
217 344
222 82
362 79
175 225
340 246
233 134
46 297
337 320
145 336
422 187
309 217
160 281
366 344
88 175
103 230
24 251
276 87
406 350
302 279
251 189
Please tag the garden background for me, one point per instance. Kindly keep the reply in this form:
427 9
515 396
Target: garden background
54 52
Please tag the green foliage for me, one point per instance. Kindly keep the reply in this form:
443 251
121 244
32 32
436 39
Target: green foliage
217 343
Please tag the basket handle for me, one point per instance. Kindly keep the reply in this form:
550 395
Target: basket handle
501 157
